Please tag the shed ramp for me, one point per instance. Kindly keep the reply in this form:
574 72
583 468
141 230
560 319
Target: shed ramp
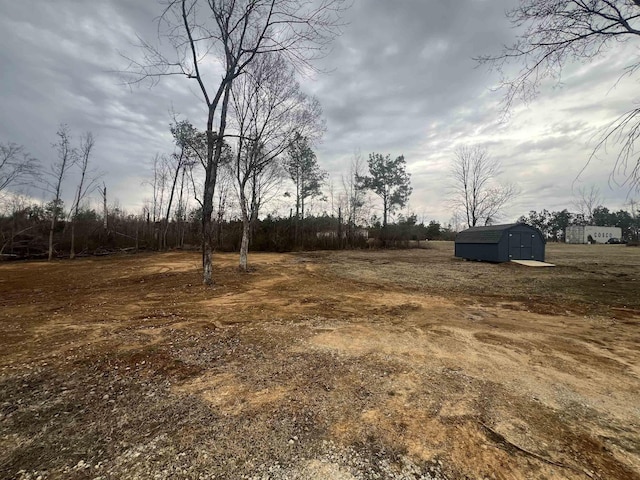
533 263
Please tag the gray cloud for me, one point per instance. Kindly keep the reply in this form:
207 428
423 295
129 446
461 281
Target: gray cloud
401 80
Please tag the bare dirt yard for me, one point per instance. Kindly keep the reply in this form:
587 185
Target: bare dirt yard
400 364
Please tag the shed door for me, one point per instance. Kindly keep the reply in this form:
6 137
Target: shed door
520 246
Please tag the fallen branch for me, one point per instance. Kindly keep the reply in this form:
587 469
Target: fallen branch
499 438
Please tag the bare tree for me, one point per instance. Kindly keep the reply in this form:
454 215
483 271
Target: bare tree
587 200
175 163
17 167
558 32
269 111
233 33
105 210
301 164
355 196
12 208
475 191
158 183
85 186
264 187
223 202
634 211
59 169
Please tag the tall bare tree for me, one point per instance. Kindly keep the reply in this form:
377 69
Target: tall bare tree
16 166
223 202
264 187
302 166
555 33
233 33
474 190
66 159
160 178
85 185
355 195
634 211
586 201
269 111
176 163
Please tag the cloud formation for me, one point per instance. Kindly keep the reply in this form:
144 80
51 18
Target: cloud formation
400 80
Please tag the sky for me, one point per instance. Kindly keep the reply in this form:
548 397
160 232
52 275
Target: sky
401 79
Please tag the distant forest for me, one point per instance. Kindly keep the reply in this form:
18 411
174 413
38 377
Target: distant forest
24 233
554 224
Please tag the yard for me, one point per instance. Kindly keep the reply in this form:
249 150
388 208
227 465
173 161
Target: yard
361 364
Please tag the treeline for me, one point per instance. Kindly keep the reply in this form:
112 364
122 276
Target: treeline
18 169
168 218
25 231
554 224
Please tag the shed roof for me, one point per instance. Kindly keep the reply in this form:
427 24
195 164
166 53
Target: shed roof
488 234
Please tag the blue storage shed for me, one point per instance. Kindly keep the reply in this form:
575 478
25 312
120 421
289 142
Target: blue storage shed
501 243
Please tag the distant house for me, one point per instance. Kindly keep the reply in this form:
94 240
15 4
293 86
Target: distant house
358 232
501 243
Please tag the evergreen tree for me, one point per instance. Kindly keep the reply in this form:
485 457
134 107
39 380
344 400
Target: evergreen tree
302 166
389 180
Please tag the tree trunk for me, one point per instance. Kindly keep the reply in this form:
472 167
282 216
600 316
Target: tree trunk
253 221
181 222
339 227
207 212
53 226
104 209
173 189
298 194
72 253
301 180
384 211
253 210
244 244
207 260
207 204
213 159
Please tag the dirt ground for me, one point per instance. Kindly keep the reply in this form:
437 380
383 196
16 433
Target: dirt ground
324 365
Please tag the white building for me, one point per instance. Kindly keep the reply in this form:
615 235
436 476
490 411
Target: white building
591 234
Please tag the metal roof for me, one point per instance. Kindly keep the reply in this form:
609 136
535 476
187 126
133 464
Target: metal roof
488 234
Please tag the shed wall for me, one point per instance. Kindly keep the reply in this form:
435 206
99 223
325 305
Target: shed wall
524 243
520 242
488 252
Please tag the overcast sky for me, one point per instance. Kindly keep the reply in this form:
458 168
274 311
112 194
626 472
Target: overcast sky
401 80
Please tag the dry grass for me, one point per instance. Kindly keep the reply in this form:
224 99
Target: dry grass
365 364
